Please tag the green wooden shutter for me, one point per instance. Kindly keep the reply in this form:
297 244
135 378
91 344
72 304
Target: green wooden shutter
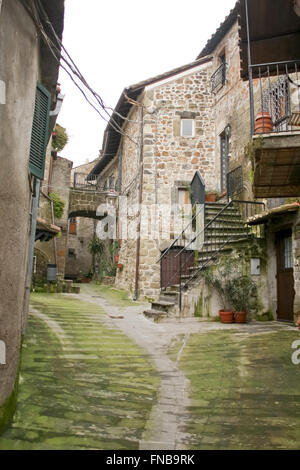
39 133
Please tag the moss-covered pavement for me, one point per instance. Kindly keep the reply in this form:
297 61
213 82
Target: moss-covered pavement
84 384
244 390
96 374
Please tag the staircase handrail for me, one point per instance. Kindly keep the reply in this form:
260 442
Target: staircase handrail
180 235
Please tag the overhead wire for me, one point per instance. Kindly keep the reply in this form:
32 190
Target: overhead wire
75 71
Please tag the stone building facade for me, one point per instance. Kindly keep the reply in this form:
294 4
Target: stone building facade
155 162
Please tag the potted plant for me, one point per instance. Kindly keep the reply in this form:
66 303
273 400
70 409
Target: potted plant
211 196
218 280
241 291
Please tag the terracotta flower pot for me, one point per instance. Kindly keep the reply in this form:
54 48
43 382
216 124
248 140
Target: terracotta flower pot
211 197
226 316
116 258
263 123
240 317
120 266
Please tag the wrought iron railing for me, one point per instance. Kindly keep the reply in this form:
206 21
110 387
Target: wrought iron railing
82 181
275 103
218 78
234 182
228 226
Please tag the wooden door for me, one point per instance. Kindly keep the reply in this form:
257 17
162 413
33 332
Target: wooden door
285 276
171 269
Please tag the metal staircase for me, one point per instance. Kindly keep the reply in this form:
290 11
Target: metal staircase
224 227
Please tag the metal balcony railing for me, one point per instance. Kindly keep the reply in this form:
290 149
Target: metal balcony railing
275 100
235 182
81 181
218 78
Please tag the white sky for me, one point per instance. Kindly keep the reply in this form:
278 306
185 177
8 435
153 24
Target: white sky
118 43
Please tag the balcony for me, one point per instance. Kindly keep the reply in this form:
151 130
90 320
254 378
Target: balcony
275 113
218 78
84 182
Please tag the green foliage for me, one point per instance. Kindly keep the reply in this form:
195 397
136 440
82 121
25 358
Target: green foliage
104 257
60 138
242 292
251 147
96 246
218 276
266 316
58 205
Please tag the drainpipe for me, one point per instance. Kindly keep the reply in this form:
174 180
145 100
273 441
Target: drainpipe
34 213
53 222
138 246
250 71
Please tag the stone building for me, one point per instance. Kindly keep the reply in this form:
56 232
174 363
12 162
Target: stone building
168 136
200 117
28 77
81 230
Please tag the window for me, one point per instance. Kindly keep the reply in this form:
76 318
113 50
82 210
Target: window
187 127
111 182
73 225
39 133
71 253
218 78
184 200
224 164
276 100
288 252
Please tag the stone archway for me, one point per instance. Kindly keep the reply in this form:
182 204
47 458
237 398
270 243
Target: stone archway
83 204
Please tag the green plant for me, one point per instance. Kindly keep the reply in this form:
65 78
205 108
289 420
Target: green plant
58 205
251 147
60 138
219 276
96 246
241 291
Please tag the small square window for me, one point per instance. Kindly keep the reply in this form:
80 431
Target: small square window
187 127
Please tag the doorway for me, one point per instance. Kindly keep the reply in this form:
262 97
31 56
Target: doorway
285 276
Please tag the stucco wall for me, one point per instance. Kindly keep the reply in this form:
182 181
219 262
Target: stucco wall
19 48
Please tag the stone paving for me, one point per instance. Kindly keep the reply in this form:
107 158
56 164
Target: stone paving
84 384
187 384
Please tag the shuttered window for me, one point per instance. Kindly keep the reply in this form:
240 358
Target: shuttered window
39 133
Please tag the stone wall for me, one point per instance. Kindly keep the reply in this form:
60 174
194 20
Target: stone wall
78 258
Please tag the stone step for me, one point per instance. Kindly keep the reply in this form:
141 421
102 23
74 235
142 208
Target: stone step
168 297
211 214
155 315
229 222
172 288
212 236
162 305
